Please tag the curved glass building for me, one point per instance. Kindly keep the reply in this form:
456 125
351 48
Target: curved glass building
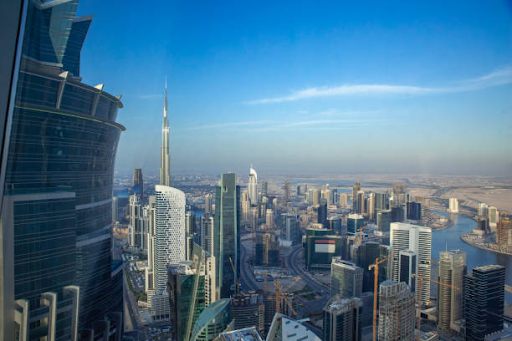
57 270
212 321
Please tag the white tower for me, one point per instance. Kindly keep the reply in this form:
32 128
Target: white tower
165 158
417 239
252 186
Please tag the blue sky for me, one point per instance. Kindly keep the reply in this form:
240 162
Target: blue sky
309 87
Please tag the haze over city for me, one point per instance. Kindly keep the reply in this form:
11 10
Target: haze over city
310 88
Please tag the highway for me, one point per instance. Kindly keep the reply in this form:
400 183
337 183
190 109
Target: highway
293 262
248 280
133 319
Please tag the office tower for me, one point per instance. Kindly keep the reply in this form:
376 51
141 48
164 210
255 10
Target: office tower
165 157
367 314
191 287
503 237
482 224
190 226
287 191
115 210
482 209
414 211
418 239
57 199
346 278
267 250
381 201
364 255
483 301
452 269
252 186
361 207
213 320
245 206
207 232
254 217
384 220
322 212
453 206
397 314
208 203
407 261
354 223
493 215
290 225
264 188
270 219
334 224
370 209
150 271
138 183
248 309
320 250
285 328
227 233
327 195
398 213
137 228
355 189
343 200
170 246
298 191
342 319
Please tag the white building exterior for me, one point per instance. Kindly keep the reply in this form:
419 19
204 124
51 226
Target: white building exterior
252 186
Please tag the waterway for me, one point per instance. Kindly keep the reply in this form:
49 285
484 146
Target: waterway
450 238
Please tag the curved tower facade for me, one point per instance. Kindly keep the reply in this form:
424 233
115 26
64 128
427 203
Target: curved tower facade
57 269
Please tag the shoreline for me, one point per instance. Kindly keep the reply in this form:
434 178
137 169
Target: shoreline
464 238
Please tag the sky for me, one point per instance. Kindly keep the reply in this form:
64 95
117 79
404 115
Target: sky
297 87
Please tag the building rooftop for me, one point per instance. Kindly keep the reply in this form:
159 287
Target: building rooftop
245 334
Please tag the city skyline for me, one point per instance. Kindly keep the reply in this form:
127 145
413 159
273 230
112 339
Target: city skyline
323 89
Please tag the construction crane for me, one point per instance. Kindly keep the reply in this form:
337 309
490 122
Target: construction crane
418 288
279 294
234 273
375 289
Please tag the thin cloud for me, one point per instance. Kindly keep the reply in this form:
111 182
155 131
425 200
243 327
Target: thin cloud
151 96
495 78
229 124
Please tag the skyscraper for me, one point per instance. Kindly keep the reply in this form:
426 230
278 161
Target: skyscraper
169 245
381 201
452 269
354 223
355 190
346 278
248 310
414 211
407 261
138 183
397 314
363 255
136 228
227 234
342 319
208 205
264 188
418 239
287 190
384 220
484 299
57 207
212 321
165 157
252 186
453 206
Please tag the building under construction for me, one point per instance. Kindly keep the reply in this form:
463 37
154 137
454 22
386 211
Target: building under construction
396 312
267 250
248 310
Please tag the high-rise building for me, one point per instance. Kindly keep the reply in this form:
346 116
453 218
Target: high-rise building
170 246
270 218
361 202
407 261
493 215
248 309
227 233
355 189
138 224
370 209
482 209
398 213
244 334
165 157
397 314
363 255
503 232
418 239
450 301
287 191
343 319
252 186
354 223
57 274
191 287
285 328
484 299
150 271
453 205
207 232
346 278
213 320
208 203
381 202
264 188
334 224
414 211
384 220
138 183
327 195
290 225
343 200
322 212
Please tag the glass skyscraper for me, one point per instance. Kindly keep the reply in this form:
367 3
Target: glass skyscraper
57 268
227 234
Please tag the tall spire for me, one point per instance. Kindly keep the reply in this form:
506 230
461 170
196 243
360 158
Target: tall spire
165 158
